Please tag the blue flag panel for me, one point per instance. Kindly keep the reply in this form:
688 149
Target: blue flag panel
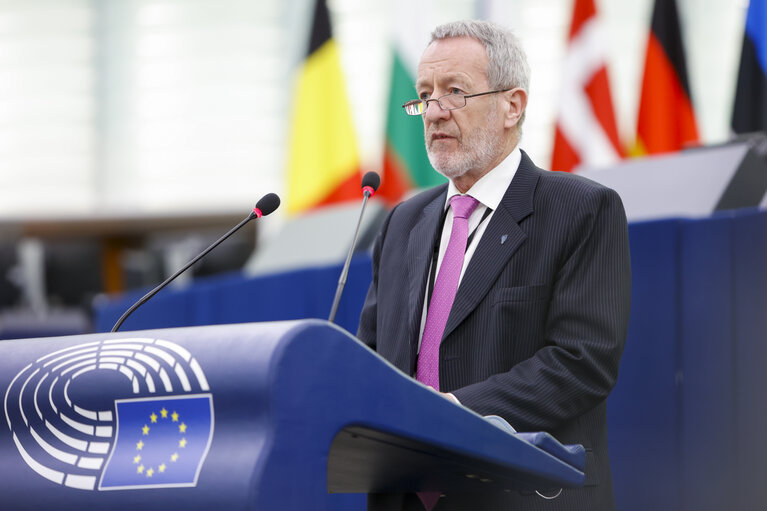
159 442
749 112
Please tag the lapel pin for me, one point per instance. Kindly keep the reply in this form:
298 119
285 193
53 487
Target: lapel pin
503 238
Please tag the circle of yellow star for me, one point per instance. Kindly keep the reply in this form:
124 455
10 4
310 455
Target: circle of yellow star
162 468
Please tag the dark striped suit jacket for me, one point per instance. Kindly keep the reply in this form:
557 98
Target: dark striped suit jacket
538 325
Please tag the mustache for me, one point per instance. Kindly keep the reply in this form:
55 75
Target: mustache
443 130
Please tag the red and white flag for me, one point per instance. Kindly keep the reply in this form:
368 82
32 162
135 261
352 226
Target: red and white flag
586 133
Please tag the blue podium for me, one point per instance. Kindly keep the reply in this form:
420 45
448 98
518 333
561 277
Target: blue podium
281 415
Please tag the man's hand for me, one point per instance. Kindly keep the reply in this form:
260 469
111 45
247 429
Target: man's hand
450 397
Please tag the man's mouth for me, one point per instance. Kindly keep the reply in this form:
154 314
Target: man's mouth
440 136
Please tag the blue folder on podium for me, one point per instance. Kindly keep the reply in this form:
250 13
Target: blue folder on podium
262 416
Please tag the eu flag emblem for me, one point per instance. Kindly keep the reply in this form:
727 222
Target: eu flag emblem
159 442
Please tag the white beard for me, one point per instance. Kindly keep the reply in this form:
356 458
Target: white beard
476 150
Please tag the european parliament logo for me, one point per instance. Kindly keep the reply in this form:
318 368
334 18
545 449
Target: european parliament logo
113 415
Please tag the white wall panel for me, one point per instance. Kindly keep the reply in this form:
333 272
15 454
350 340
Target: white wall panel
176 105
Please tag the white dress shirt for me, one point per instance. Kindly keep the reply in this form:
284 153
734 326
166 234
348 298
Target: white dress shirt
489 191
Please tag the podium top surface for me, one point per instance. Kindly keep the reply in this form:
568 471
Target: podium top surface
238 417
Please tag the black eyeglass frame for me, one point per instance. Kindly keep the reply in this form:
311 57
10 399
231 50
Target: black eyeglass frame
425 102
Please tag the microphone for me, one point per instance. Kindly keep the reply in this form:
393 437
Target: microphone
266 205
370 183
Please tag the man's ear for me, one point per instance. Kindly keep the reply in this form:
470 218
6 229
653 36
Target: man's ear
516 102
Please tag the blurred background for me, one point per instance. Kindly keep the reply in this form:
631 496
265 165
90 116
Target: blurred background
134 132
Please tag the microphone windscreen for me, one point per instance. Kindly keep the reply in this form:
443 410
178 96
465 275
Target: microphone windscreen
371 179
268 203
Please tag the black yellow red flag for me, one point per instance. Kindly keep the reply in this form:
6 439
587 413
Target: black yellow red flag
666 120
323 163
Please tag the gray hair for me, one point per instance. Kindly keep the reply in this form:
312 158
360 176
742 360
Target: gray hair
507 66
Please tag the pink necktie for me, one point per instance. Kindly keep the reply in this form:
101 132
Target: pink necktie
445 287
441 302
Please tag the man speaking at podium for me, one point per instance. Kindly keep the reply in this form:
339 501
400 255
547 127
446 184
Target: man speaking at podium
508 288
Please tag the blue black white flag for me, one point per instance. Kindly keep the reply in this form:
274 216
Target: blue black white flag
750 110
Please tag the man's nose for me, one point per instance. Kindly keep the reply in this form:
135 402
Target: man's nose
435 112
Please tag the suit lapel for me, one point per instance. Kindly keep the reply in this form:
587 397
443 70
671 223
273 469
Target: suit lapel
419 250
492 255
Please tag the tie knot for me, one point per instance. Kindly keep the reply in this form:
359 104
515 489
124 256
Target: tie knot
463 205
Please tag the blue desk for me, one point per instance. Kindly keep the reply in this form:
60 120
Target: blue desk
685 418
264 416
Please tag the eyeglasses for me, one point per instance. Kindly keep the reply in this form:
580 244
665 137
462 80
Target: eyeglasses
447 102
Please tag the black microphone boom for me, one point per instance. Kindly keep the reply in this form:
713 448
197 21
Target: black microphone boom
370 183
266 205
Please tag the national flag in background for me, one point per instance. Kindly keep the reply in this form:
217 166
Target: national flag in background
585 132
406 164
750 110
323 164
666 120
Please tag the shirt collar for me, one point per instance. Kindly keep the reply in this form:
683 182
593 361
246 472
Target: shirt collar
490 189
